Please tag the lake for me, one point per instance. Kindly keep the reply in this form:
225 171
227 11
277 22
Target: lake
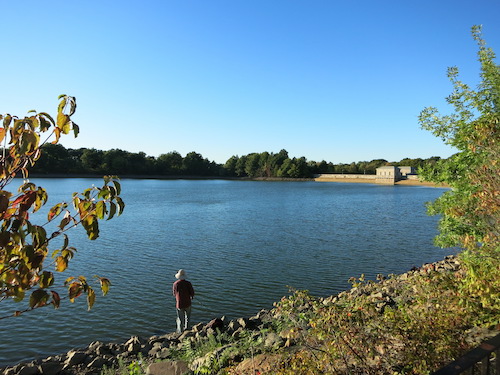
242 244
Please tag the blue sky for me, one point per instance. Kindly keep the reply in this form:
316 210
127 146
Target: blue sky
339 81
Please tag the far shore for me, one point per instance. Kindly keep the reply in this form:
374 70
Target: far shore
180 177
372 181
420 183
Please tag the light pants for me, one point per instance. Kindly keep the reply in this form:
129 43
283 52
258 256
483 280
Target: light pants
183 316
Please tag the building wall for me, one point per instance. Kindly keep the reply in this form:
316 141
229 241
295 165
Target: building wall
406 170
385 175
388 175
337 176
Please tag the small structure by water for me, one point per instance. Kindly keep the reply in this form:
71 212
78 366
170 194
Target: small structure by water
388 174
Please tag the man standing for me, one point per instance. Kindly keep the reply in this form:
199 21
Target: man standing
184 293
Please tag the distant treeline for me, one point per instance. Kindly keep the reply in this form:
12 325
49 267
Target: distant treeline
56 159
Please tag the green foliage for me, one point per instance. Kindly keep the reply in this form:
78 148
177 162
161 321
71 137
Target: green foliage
212 348
138 367
470 211
217 351
135 368
25 257
56 159
416 328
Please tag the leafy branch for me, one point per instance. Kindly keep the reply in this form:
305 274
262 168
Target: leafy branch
24 246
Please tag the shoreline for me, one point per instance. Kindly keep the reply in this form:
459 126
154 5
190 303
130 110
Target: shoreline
276 179
97 355
372 181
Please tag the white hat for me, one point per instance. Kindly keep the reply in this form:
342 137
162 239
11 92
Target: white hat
181 274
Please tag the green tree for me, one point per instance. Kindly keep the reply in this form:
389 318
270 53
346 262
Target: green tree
265 165
170 163
25 258
240 166
230 166
277 161
470 211
115 161
352 168
252 165
75 160
92 160
286 167
194 164
54 157
303 167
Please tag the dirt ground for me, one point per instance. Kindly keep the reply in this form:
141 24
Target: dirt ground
370 181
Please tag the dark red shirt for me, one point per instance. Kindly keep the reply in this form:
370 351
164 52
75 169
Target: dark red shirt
183 292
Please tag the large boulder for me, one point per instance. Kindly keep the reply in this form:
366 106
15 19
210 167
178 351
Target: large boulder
168 368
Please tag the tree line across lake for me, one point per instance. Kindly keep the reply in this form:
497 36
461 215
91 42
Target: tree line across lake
56 159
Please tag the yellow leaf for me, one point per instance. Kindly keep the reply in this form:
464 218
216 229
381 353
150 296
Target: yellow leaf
57 133
61 263
90 298
63 123
105 284
100 209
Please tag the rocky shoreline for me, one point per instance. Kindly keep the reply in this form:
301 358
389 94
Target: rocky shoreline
93 358
97 355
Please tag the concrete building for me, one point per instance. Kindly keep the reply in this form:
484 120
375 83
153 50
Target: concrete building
405 171
388 174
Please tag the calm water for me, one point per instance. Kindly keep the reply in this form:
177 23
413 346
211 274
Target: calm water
242 243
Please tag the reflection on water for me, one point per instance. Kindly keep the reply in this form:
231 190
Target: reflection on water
242 243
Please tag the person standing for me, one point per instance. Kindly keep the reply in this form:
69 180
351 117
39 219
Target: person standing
183 292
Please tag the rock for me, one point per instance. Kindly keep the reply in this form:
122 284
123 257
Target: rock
94 345
198 327
243 322
262 364
133 345
254 322
168 368
28 370
185 335
74 358
169 336
146 348
273 340
103 350
233 326
97 363
116 349
50 367
215 324
164 353
157 346
449 266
